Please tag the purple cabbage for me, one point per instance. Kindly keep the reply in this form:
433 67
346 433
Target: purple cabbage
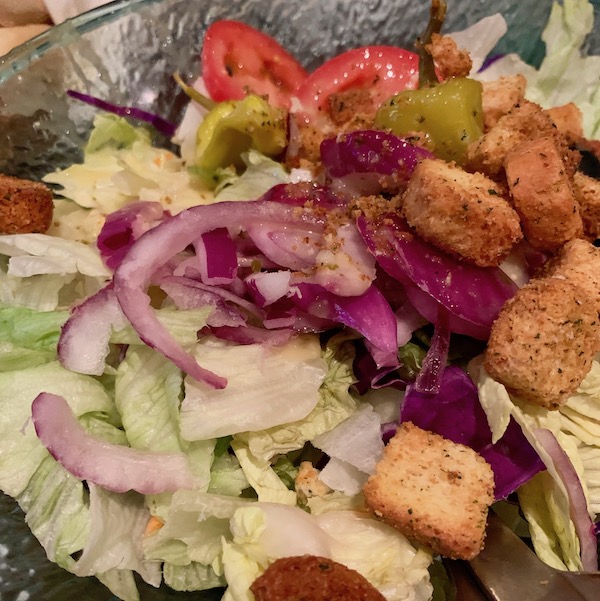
456 414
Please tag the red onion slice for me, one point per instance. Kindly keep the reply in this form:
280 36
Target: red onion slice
157 246
83 343
111 466
217 257
578 509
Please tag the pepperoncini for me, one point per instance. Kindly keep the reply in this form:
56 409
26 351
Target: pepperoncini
449 114
234 127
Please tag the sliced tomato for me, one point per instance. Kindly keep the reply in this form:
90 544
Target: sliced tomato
381 70
238 60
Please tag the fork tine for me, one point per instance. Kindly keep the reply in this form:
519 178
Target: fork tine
507 569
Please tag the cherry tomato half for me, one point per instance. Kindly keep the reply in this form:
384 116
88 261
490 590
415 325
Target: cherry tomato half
238 60
382 70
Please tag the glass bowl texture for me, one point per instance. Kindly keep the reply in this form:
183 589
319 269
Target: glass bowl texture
126 53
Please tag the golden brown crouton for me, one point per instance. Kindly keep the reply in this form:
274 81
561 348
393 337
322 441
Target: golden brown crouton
312 578
25 206
461 213
449 59
542 194
587 195
352 109
578 262
500 96
308 483
543 342
525 121
568 120
434 491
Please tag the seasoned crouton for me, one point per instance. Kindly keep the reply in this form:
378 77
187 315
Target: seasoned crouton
461 213
587 195
434 491
525 121
312 578
308 483
500 96
543 342
568 120
542 194
352 109
450 61
578 262
25 206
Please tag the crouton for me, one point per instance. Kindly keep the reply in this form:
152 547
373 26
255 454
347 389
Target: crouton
542 194
308 483
25 206
525 121
462 213
450 61
568 120
309 577
352 109
434 491
587 195
500 96
578 262
542 343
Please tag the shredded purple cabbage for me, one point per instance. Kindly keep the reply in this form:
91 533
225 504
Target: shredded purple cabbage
456 414
160 124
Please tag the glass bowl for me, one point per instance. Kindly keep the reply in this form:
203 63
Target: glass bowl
126 52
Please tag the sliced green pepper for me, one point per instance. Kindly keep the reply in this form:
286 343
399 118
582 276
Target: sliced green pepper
449 114
234 127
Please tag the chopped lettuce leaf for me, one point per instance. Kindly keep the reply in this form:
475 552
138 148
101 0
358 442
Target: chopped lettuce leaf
227 476
120 165
262 477
334 405
56 510
192 577
118 522
267 386
261 174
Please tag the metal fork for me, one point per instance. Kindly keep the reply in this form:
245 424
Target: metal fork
507 570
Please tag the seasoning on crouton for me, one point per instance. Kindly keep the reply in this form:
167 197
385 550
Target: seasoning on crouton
434 491
308 483
314 578
450 60
462 213
25 206
542 194
587 195
500 96
568 120
578 262
525 121
542 343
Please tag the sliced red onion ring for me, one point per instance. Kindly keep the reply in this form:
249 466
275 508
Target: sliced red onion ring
83 343
268 287
157 246
217 257
294 247
123 227
473 295
114 467
584 526
160 125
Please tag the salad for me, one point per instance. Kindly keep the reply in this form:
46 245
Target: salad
209 360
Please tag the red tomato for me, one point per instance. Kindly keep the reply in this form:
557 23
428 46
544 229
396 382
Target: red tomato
238 60
382 70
